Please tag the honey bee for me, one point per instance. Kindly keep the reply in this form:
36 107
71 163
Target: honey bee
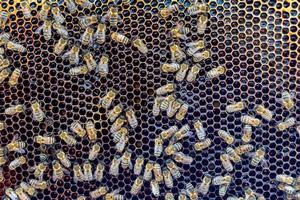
247 119
173 148
57 16
17 162
114 166
98 174
4 74
25 7
4 63
87 36
73 57
156 106
87 21
202 24
158 173
101 191
166 12
28 188
181 133
215 72
70 140
60 29
173 108
74 71
1 175
181 73
233 155
290 190
120 134
242 149
193 73
120 38
158 146
44 140
100 33
221 180
1 53
180 31
71 6
94 152
140 45
235 107
173 168
131 118
167 134
169 87
258 156
247 133
44 11
126 159
223 189
4 38
249 193
182 158
15 47
199 146
3 151
58 172
139 162
11 194
182 112
283 178
177 55
200 56
148 171
229 139
200 132
38 184
91 130
16 145
155 188
37 112
170 67
234 198
78 174
46 28
225 160
39 170
113 195
112 16
137 185
169 196
21 194
81 198
182 195
3 19
264 112
60 46
120 121
193 47
287 100
204 186
168 178
84 3
12 110
191 191
87 171
120 146
62 157
3 160
197 8
102 67
167 101
289 122
90 61
107 100
77 128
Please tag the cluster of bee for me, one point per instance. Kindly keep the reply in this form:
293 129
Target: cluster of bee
290 185
5 63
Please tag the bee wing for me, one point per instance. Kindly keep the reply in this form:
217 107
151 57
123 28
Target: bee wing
104 18
21 151
39 29
66 55
264 164
130 164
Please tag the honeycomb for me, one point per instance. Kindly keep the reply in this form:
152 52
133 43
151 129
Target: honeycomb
257 42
